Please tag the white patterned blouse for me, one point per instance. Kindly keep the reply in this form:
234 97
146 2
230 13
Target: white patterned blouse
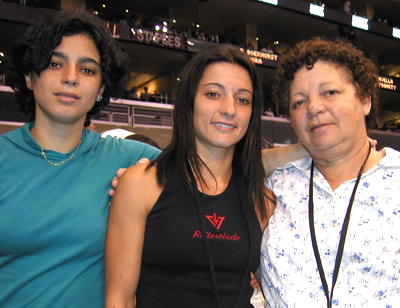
370 269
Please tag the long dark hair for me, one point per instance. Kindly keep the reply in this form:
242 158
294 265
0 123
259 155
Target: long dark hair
33 54
247 156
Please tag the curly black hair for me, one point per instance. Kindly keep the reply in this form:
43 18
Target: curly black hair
361 71
33 54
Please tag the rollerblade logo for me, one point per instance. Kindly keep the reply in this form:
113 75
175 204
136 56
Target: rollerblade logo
215 220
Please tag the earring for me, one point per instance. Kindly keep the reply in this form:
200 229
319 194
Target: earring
100 95
28 81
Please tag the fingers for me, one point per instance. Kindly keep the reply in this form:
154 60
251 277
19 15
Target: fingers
120 172
111 192
114 182
373 143
254 282
144 161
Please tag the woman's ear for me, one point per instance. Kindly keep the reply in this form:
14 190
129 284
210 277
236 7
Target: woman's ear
367 103
28 81
100 94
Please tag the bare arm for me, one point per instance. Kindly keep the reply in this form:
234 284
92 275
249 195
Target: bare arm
270 203
277 157
133 200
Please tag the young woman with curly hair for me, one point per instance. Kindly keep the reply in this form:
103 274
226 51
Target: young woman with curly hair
55 174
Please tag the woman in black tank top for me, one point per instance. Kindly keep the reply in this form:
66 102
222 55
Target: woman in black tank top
184 231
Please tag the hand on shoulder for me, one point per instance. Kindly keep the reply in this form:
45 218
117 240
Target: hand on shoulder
137 188
138 175
120 172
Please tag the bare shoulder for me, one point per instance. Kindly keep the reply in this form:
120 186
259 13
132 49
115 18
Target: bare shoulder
138 187
139 172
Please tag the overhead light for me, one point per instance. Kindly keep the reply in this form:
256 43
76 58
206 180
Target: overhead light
126 11
96 13
104 5
157 27
396 33
174 21
317 10
1 54
164 29
274 2
276 42
359 22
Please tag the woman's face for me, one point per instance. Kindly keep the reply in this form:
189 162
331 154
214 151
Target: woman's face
67 89
326 113
222 106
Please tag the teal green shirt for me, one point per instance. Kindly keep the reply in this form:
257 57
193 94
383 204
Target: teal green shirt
53 218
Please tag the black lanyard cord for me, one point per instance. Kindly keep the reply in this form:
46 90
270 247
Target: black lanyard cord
345 226
204 234
199 204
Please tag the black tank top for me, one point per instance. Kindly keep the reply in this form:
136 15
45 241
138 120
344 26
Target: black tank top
175 271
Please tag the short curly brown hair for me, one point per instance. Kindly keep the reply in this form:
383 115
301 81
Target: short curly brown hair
362 72
33 54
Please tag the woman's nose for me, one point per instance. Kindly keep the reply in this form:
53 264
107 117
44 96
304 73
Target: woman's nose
315 105
228 106
70 76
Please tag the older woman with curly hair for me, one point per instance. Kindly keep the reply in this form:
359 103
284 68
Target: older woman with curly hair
334 237
54 173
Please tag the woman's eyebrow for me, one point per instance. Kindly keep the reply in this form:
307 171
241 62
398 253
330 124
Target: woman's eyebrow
82 59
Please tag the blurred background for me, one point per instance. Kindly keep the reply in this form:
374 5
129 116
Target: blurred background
162 35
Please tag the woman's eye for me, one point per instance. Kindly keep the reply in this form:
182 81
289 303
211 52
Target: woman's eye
331 92
54 64
244 101
211 94
297 104
88 71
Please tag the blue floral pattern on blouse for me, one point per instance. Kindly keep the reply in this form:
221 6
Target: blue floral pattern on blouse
370 268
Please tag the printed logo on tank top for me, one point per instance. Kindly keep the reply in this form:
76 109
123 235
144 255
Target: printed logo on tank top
216 221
